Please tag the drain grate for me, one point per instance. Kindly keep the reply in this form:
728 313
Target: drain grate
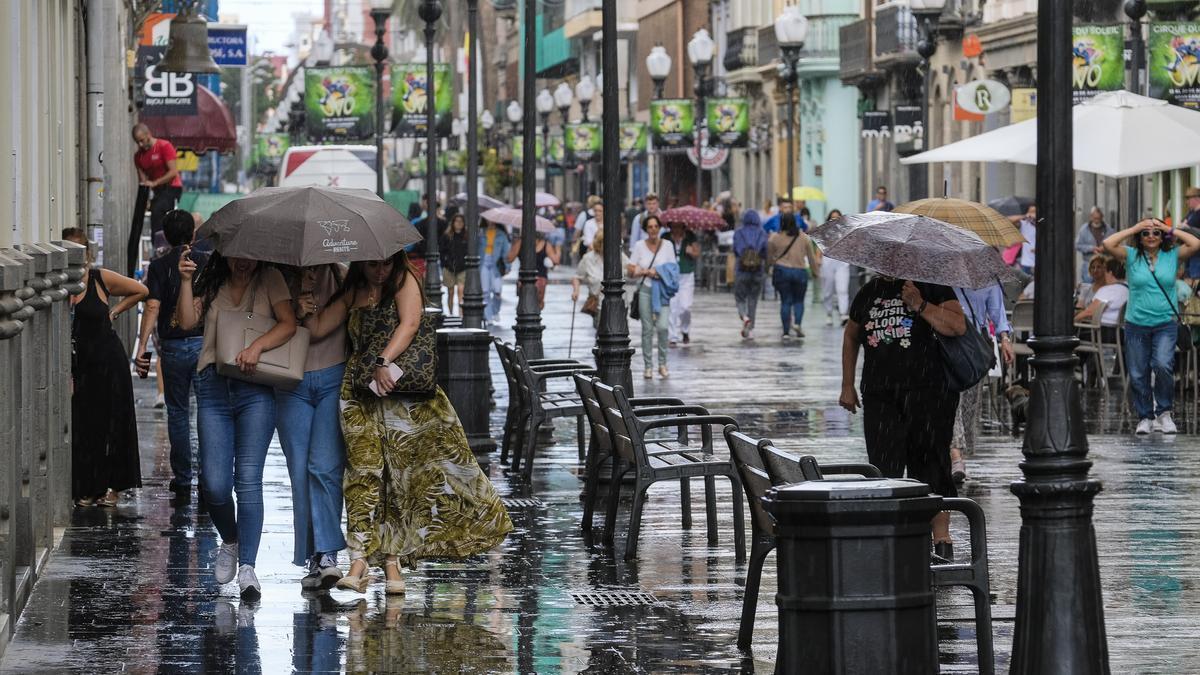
521 502
616 598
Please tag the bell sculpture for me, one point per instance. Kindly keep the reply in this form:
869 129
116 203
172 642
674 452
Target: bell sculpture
187 46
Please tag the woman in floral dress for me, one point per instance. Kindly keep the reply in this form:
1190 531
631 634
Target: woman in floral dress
413 488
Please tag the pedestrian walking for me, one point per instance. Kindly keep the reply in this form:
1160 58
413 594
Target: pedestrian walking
791 258
908 411
104 438
589 274
785 207
454 261
178 349
413 488
545 258
1151 264
1028 228
235 418
586 225
649 257
310 433
984 307
880 202
1089 241
155 161
637 233
679 326
750 254
494 246
835 285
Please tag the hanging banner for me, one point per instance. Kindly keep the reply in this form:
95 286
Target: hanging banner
908 132
1098 54
518 149
454 161
1174 63
558 151
672 123
729 121
339 103
410 96
876 124
270 147
583 141
633 140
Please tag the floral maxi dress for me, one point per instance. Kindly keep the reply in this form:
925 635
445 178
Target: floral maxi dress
412 486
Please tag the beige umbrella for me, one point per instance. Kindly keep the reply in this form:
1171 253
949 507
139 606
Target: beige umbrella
983 220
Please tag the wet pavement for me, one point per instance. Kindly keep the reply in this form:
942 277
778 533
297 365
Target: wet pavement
131 588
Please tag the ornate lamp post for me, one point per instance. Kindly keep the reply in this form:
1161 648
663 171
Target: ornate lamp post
487 120
380 11
1136 11
791 29
528 328
430 11
1060 618
585 90
700 52
658 65
515 116
927 13
545 106
563 99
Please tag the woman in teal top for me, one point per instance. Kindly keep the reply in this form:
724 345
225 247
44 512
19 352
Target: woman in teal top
1150 315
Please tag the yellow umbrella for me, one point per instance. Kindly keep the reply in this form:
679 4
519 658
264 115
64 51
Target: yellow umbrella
983 220
807 193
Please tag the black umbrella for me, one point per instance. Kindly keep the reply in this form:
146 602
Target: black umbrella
1011 205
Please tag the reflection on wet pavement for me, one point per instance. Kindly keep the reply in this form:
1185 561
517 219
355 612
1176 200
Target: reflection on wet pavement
131 588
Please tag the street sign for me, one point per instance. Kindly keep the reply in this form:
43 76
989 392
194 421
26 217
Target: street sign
982 97
227 44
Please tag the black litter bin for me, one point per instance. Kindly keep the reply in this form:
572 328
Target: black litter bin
855 592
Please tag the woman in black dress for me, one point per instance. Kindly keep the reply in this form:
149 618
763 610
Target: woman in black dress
104 442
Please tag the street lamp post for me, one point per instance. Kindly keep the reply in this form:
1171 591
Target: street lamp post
791 29
585 90
528 328
487 120
700 52
515 115
1136 11
658 65
563 99
380 11
545 106
430 11
1060 617
927 14
473 291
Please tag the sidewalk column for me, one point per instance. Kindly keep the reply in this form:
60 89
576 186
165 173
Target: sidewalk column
21 393
12 282
58 413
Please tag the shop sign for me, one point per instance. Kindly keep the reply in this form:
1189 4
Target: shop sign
1174 63
982 97
1098 60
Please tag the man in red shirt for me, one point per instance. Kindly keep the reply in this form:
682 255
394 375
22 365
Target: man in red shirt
155 161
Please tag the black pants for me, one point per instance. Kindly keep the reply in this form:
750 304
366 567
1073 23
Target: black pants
911 429
164 199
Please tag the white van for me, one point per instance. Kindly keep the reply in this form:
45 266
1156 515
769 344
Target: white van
348 166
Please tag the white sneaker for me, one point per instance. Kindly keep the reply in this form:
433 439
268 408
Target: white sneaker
160 402
1165 424
248 583
225 567
1144 427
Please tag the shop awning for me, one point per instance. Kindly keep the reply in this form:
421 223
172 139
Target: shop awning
211 128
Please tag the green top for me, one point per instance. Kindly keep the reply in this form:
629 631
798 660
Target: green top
1148 305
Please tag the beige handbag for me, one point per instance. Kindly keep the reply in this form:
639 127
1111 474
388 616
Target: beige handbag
281 368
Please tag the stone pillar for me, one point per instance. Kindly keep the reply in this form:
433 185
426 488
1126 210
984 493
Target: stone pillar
21 431
12 313
59 379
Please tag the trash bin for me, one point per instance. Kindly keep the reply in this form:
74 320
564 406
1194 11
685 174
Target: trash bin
855 592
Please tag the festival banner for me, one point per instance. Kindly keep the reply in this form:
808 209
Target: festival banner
410 98
339 103
672 123
270 147
1098 53
454 162
1174 64
633 140
558 151
518 149
728 122
583 141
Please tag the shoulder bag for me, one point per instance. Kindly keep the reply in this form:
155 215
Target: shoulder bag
1183 334
418 362
635 311
966 359
281 367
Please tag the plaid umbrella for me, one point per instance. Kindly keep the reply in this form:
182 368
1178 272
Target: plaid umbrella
695 218
989 224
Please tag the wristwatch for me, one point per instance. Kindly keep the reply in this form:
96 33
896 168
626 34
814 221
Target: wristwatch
921 309
381 362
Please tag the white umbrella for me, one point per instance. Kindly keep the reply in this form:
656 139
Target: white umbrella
1117 134
544 199
485 202
511 218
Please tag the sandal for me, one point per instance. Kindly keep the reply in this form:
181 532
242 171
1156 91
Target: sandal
392 586
109 499
84 503
358 584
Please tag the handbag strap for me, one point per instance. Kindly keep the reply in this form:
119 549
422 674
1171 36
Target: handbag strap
654 257
1170 302
789 247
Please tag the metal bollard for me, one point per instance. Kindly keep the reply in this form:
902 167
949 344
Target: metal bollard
855 588
464 372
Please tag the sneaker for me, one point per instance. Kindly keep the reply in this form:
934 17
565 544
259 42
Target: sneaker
1165 424
828 320
160 402
649 374
1144 427
686 339
328 571
312 576
799 333
787 337
248 583
225 567
745 328
672 343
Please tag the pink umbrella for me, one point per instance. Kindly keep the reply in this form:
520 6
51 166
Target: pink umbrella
695 218
511 218
544 199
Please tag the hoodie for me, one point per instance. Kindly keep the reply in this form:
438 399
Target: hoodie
750 237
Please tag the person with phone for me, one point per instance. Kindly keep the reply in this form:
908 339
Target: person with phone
413 488
178 347
235 418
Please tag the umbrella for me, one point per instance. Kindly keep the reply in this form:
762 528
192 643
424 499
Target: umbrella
485 202
1117 134
693 217
912 247
309 225
544 199
807 194
984 221
511 218
1012 206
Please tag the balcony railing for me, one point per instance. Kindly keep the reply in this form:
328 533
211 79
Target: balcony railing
741 49
854 50
896 35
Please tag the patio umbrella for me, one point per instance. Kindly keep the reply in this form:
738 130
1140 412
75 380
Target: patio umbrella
544 199
511 218
912 247
309 225
1117 134
485 202
990 225
693 217
1011 206
807 193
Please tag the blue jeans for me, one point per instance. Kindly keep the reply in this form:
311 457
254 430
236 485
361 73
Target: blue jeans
489 278
792 284
1150 350
236 421
310 433
178 358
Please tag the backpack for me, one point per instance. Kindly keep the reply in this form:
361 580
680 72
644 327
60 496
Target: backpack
750 260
